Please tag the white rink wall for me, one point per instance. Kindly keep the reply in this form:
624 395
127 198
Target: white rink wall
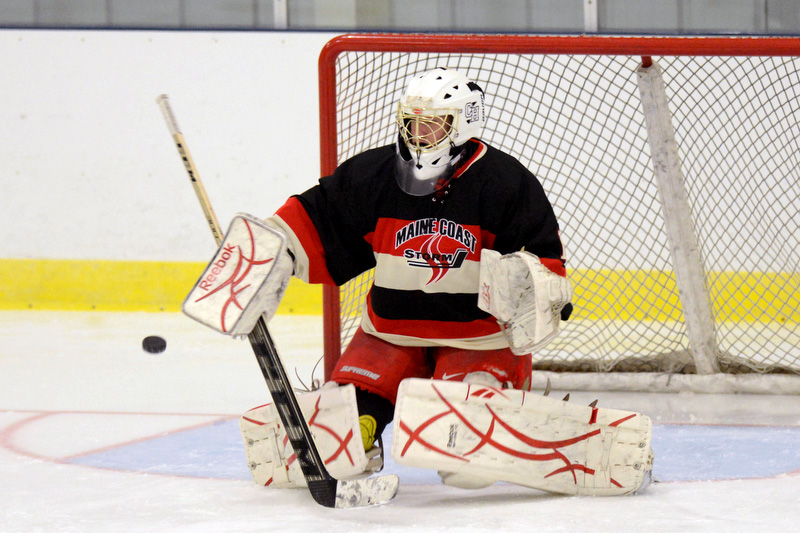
88 169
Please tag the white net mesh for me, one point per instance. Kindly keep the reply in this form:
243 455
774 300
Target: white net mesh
576 122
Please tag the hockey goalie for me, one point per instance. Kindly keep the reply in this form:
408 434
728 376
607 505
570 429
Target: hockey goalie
469 282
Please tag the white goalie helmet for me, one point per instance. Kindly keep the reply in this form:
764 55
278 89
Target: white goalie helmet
440 111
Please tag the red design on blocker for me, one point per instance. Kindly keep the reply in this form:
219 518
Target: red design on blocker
558 448
243 266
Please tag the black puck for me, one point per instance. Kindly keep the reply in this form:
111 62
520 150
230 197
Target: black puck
154 344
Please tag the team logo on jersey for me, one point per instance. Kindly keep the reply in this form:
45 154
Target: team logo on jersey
446 246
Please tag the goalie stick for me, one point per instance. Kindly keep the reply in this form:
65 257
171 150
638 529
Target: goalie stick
325 489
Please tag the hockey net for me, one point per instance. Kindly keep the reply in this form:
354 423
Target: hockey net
571 109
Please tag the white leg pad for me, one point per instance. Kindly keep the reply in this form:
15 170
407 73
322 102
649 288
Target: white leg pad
477 432
332 417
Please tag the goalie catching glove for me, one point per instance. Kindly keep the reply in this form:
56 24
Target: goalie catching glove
525 296
246 278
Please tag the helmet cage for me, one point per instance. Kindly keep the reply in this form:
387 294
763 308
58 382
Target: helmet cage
426 129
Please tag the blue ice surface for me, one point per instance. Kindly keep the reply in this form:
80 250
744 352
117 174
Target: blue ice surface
696 452
682 453
213 451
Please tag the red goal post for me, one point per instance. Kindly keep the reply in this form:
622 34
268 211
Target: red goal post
672 164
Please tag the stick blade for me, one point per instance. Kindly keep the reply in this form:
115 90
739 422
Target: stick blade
366 492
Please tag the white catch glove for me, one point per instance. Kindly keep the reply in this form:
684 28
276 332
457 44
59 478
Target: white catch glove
525 296
246 278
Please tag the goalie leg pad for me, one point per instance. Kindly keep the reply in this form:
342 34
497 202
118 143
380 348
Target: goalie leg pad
332 417
466 480
477 431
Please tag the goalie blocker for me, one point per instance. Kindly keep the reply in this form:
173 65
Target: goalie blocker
247 277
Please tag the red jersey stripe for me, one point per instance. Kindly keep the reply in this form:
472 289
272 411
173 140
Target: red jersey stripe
294 214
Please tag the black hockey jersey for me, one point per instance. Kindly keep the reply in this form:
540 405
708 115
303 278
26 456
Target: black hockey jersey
425 249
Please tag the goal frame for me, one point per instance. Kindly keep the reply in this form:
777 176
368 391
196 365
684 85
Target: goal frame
643 47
